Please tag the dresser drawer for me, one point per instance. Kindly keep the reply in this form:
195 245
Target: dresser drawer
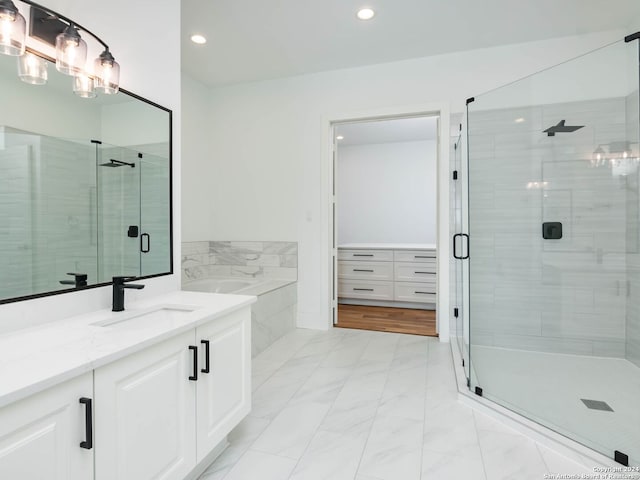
365 289
425 256
366 255
415 292
414 272
349 269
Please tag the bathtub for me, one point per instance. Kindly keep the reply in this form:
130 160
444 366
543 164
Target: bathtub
272 316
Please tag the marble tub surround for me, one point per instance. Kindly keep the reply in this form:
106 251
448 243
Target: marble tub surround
36 358
272 316
205 259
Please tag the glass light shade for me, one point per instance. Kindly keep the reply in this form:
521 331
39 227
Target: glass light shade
107 73
32 69
83 86
12 30
599 156
71 52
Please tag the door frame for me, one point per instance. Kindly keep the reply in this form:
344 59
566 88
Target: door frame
442 202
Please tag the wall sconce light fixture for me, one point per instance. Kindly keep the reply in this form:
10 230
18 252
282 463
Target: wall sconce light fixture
71 49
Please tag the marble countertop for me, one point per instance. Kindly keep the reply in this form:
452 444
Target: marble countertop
37 358
389 246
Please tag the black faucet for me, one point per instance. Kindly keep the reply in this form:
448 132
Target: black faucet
118 292
80 280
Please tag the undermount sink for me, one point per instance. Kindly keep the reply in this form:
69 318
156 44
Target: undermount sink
167 313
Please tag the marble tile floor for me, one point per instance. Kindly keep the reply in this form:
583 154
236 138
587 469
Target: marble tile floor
362 405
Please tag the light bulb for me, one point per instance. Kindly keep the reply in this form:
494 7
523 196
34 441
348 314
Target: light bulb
83 86
12 29
107 73
71 52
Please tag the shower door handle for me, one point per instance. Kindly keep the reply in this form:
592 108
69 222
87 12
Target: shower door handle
144 249
464 257
455 252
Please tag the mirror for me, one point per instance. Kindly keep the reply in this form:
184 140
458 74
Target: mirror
85 186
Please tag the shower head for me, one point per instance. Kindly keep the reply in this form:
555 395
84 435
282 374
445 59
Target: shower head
560 127
117 163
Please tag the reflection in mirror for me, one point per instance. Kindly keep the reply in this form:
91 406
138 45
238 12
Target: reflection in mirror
84 186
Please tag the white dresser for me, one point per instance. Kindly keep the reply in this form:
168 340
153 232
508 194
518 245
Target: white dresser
387 274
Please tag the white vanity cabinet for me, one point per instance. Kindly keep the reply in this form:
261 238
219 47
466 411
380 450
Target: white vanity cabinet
224 384
40 437
145 414
161 411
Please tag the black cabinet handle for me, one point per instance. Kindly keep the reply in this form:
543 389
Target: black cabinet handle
194 377
362 270
364 289
426 273
206 356
142 238
363 254
422 256
88 424
425 293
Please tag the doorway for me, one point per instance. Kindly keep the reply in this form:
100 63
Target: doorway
385 224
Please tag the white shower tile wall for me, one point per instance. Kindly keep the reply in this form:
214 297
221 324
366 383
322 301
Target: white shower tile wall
266 260
563 296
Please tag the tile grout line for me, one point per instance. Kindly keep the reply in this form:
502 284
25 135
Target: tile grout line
424 406
475 427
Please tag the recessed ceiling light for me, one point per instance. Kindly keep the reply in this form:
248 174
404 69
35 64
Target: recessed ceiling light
366 14
199 39
339 137
519 120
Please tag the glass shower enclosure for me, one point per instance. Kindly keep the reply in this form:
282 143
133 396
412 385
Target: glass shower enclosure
553 270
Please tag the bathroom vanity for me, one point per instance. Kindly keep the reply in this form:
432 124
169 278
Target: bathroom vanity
387 274
147 393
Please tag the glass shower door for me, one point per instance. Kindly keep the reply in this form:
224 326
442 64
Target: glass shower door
554 252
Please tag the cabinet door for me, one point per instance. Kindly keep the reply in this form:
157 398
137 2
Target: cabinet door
224 394
40 436
145 414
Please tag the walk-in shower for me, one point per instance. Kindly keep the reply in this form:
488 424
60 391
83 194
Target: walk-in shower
548 300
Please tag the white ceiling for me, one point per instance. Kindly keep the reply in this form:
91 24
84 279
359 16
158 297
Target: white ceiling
388 131
252 40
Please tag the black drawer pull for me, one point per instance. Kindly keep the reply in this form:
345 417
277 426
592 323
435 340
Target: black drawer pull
88 424
206 356
363 254
425 293
426 273
194 377
364 289
422 256
361 270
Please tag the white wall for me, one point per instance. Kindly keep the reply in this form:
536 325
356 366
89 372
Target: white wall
261 177
387 192
149 55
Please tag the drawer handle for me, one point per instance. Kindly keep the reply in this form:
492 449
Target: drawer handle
361 270
427 273
364 289
194 377
206 356
422 256
425 293
363 254
88 424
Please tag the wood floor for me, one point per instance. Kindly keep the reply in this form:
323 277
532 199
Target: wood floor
386 319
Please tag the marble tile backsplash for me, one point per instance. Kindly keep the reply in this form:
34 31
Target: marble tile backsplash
207 259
